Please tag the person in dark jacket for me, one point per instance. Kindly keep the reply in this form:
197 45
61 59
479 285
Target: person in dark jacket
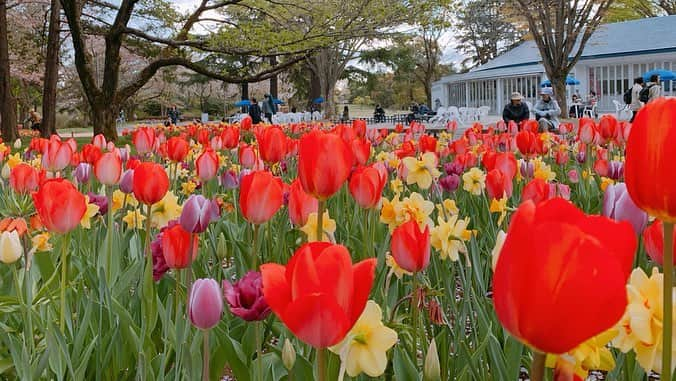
255 111
515 110
174 114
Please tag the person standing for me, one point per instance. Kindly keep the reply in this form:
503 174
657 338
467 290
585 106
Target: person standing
636 103
346 115
655 89
173 114
255 111
268 107
547 111
515 110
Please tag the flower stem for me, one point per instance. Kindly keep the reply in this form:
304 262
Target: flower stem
537 371
321 363
320 220
414 318
205 356
259 349
64 278
109 253
667 299
254 248
29 305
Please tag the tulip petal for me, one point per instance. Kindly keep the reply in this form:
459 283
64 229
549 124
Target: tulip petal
317 320
364 273
276 289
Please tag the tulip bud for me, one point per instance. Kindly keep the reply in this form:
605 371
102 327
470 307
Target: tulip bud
5 171
206 303
221 247
288 355
10 247
17 143
431 369
127 181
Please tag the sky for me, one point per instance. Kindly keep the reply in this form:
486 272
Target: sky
449 55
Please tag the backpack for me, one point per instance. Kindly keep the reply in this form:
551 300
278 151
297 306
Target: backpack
627 96
644 95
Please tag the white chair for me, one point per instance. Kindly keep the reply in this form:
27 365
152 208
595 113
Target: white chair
622 111
455 114
591 112
316 115
483 112
440 114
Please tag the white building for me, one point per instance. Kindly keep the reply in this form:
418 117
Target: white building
613 57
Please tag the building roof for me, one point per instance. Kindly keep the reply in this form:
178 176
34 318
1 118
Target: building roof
648 35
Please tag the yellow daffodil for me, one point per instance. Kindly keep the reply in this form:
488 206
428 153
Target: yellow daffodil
365 347
188 187
641 326
543 171
167 209
120 198
41 243
134 219
14 160
396 186
590 355
310 228
394 267
499 206
448 237
422 171
413 207
605 182
474 181
387 213
499 242
448 208
91 211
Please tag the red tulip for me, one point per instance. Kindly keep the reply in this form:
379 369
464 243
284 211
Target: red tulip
59 205
91 153
588 133
207 165
230 137
177 149
261 196
651 150
319 294
498 185
359 127
427 144
537 190
407 149
246 123
361 148
108 168
100 142
203 137
609 128
144 140
601 167
301 204
24 179
324 163
526 142
151 183
271 144
653 240
561 275
411 247
177 245
57 155
366 186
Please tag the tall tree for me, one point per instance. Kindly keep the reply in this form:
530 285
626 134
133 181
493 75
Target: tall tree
7 101
48 126
561 30
484 32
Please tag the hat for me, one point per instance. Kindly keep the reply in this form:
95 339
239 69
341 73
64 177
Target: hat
516 96
547 91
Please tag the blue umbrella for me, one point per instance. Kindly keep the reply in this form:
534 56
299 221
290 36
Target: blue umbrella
278 101
570 81
243 102
319 100
665 75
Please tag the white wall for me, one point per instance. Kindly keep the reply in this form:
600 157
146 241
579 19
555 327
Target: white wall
439 92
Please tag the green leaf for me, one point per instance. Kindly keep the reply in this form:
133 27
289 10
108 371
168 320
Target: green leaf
404 368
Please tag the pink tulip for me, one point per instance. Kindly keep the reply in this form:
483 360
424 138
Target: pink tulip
56 155
245 297
206 303
618 205
197 213
108 168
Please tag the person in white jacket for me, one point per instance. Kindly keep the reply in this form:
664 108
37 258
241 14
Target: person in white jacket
547 111
636 103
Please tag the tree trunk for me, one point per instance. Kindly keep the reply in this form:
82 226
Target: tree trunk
245 94
7 101
104 118
559 86
273 80
48 126
315 89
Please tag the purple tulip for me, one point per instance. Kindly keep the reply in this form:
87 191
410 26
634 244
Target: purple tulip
198 212
124 153
454 168
100 201
127 181
450 183
229 179
82 172
581 157
206 303
615 170
245 297
527 169
618 205
159 263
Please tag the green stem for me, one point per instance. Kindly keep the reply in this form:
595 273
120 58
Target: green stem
321 363
205 356
254 247
29 306
259 349
320 220
667 299
109 253
414 318
537 371
64 279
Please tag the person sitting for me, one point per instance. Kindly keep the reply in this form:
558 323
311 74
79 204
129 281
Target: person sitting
424 110
547 111
515 110
379 114
415 110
